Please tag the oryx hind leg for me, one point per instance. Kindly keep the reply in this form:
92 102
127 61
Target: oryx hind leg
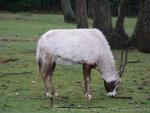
52 89
47 69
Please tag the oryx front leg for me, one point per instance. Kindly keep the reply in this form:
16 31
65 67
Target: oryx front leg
87 80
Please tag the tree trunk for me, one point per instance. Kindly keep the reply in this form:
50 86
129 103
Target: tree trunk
42 5
69 15
102 18
90 8
141 34
119 27
81 12
102 21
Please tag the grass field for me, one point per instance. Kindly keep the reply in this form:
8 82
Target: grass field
21 86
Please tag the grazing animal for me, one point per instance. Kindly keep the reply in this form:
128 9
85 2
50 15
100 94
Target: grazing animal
88 47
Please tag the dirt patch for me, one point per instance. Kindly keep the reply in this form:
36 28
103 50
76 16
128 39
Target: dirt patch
18 40
148 97
7 60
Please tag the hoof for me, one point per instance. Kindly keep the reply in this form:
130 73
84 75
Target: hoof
47 94
56 94
88 96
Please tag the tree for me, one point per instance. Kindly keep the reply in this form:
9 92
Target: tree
141 34
90 8
119 27
81 12
102 19
69 15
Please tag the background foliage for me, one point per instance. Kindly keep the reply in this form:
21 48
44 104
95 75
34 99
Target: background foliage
55 5
29 5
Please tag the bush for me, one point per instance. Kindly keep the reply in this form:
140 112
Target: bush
26 5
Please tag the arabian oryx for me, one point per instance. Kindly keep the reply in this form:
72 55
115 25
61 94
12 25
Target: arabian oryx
88 47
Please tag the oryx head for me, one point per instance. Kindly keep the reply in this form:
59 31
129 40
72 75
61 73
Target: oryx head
112 86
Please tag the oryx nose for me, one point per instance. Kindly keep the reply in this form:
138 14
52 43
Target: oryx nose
112 94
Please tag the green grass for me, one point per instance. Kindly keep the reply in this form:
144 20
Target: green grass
24 25
21 88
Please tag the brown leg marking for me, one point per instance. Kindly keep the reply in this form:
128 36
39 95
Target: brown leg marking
47 74
87 79
45 84
52 89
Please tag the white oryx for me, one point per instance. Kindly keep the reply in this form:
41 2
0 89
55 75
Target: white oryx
88 47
